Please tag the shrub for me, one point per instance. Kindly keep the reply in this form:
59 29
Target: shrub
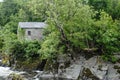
25 50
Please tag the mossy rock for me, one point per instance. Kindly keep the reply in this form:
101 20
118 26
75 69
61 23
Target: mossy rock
50 66
27 65
5 59
87 73
116 67
14 76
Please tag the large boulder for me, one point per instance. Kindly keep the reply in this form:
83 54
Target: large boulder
94 69
113 72
97 69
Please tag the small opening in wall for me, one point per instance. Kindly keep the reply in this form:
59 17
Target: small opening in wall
29 32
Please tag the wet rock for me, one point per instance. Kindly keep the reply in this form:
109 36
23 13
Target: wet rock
29 75
47 76
112 73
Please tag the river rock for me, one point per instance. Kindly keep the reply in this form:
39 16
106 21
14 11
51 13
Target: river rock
14 76
72 72
95 68
81 69
112 72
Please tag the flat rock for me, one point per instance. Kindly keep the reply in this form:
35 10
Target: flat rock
74 72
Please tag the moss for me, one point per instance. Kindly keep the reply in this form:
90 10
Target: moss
50 66
14 76
5 59
86 72
27 65
47 66
21 33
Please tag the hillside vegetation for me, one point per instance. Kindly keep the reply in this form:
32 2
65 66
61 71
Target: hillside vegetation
74 26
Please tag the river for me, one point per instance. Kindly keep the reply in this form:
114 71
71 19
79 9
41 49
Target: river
6 71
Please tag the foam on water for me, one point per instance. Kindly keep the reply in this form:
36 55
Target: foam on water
5 71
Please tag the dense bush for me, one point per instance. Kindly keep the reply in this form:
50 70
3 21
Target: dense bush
105 34
110 6
50 47
31 50
25 50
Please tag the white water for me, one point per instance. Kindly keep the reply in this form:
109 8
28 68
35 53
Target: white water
5 71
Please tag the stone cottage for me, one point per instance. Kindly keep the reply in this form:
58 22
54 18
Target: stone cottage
30 30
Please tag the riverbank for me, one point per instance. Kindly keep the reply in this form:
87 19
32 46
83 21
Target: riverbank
93 68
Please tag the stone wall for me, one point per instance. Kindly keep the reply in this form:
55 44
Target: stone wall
32 34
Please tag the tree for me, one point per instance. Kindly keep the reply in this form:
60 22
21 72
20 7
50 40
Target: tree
37 12
110 6
8 8
113 8
67 21
75 33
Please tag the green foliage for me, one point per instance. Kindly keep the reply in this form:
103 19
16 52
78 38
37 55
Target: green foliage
69 17
98 4
17 50
49 48
113 8
20 34
1 43
110 6
107 34
110 58
71 27
8 38
114 59
8 8
102 34
31 50
25 50
37 12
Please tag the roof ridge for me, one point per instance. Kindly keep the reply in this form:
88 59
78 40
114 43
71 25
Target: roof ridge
32 24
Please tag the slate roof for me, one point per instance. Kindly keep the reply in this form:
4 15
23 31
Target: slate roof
32 25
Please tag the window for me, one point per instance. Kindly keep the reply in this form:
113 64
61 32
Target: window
29 33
